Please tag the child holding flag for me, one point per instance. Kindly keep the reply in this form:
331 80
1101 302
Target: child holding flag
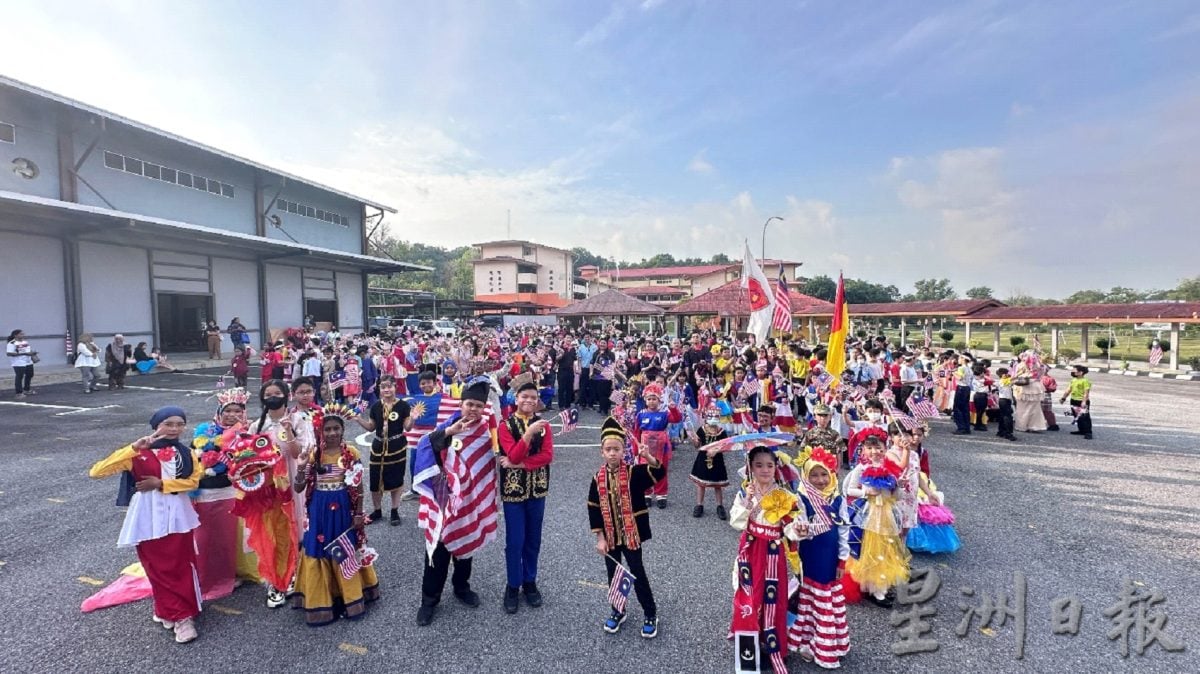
620 518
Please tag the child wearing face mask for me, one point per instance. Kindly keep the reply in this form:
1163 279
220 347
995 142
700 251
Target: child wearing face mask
708 470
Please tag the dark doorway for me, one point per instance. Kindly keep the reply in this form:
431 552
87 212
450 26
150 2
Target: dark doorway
322 311
181 320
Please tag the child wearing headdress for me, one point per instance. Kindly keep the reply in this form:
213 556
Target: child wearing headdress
882 559
767 515
619 516
820 632
708 470
651 433
217 538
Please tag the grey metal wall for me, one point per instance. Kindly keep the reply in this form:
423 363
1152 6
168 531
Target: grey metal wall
349 302
32 293
36 140
285 300
116 291
235 283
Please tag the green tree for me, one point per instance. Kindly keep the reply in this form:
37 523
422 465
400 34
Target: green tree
1086 297
865 292
584 257
929 289
1188 290
980 293
1022 300
821 287
720 258
1119 295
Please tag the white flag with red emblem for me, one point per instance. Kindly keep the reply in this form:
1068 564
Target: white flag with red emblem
762 304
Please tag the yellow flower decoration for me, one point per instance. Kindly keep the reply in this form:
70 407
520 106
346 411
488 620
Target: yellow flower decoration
777 504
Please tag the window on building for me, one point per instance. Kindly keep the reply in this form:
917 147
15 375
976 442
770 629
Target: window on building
133 165
200 183
183 179
119 162
113 160
168 175
8 133
214 187
227 190
526 250
152 170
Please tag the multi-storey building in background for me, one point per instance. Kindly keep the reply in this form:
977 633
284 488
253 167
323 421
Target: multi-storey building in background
111 226
529 277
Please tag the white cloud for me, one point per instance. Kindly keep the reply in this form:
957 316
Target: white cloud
700 164
600 31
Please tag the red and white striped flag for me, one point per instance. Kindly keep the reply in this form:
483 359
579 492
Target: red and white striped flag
922 408
902 418
781 319
458 505
1156 353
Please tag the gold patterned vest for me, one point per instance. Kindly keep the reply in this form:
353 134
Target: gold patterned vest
517 484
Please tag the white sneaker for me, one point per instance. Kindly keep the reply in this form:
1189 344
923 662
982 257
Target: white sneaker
275 598
185 631
409 496
167 624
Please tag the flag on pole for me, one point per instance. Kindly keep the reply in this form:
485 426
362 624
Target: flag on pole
342 551
569 418
835 357
781 320
902 418
618 589
922 407
761 301
1156 353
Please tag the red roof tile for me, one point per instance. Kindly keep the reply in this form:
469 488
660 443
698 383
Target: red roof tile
610 303
732 300
1154 312
653 290
943 307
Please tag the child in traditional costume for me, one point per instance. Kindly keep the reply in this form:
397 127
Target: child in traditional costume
217 537
708 470
619 516
160 519
881 560
651 433
336 575
767 515
820 632
934 533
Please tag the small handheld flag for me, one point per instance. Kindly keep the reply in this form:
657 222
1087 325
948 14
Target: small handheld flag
619 588
569 418
343 552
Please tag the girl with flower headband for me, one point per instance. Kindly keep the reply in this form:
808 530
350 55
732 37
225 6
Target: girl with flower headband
651 431
330 478
708 470
217 538
820 632
767 515
882 558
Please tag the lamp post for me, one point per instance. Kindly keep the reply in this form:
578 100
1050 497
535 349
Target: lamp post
764 236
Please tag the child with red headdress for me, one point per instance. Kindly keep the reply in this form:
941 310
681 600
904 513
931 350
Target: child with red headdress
651 431
820 632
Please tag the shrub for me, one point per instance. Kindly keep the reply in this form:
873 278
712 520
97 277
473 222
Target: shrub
1068 354
959 345
1105 343
1166 346
1016 341
1194 362
862 334
946 336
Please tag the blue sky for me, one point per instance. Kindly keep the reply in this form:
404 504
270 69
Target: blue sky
1033 147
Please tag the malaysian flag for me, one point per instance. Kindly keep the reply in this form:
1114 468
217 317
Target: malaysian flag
427 412
342 551
902 418
618 589
922 408
1156 353
458 502
569 418
1037 342
781 319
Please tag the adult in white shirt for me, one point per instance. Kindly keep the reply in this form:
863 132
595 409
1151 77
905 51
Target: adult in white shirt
21 356
88 362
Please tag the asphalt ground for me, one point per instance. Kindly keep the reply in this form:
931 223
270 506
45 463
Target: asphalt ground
1076 517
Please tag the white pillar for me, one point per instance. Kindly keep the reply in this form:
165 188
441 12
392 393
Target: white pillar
967 336
1174 355
1054 342
1083 331
996 340
903 332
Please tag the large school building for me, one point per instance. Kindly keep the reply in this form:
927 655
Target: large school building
111 226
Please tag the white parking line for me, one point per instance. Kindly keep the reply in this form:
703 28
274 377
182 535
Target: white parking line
191 392
68 409
86 409
197 374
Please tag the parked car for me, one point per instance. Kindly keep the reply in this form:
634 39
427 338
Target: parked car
445 328
493 321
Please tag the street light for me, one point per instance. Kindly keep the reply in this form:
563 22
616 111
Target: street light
764 241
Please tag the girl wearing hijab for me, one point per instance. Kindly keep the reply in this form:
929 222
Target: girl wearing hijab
160 519
116 360
820 633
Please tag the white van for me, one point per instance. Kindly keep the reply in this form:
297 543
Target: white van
445 328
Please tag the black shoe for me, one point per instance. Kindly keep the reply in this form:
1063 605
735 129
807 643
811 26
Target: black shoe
425 613
1077 433
1052 428
375 516
512 601
886 602
533 596
698 511
395 519
721 514
1013 438
1087 436
981 428
468 597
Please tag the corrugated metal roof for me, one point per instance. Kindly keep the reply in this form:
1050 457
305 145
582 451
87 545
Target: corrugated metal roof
653 272
506 258
610 303
653 290
732 300
941 307
1160 312
93 110
512 242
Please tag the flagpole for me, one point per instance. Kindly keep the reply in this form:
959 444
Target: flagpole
614 561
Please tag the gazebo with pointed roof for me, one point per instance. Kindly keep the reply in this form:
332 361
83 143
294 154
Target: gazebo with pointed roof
731 302
609 303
